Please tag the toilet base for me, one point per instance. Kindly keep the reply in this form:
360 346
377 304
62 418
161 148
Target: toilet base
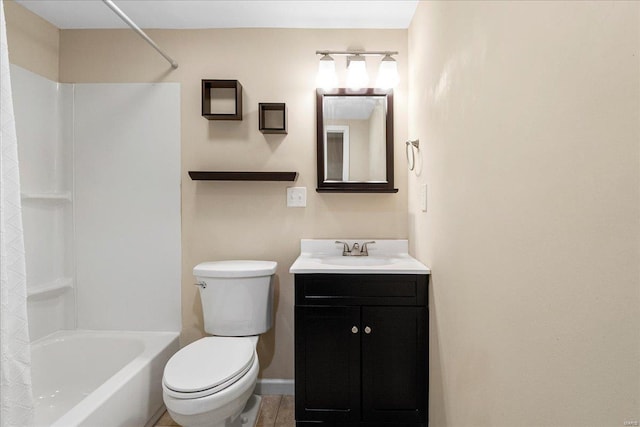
247 417
249 414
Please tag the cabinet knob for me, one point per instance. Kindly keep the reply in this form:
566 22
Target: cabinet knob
367 330
354 330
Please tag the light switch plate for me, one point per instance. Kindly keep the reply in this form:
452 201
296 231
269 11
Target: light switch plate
296 197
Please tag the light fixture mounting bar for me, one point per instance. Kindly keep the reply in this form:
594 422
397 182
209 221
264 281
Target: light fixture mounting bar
356 52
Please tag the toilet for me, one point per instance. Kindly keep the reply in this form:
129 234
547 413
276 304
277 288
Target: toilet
210 382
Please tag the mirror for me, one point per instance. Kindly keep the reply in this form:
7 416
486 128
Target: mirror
355 140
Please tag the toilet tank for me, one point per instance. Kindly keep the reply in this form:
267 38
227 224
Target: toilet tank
236 296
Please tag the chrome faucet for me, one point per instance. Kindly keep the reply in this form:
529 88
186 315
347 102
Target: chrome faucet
345 249
365 251
355 250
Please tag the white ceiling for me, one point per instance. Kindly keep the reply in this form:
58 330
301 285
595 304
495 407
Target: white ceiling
175 14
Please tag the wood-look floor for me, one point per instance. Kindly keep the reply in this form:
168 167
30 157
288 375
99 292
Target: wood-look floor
275 411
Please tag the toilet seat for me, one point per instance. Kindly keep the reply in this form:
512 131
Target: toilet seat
208 366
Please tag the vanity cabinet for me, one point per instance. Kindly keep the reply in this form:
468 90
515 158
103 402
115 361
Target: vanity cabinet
361 349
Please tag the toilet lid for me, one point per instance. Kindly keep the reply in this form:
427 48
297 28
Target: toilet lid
235 268
208 363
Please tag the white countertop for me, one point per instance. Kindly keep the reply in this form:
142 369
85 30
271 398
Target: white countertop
385 257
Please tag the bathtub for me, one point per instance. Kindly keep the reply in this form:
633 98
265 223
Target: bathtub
99 378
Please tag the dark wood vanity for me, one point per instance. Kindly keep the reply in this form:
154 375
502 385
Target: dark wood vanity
361 350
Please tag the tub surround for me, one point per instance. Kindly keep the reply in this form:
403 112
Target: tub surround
88 231
46 179
385 257
123 132
77 173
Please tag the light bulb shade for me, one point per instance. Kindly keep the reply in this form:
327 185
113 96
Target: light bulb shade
357 77
387 73
326 78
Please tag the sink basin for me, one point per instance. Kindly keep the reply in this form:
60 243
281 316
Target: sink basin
357 260
398 263
324 256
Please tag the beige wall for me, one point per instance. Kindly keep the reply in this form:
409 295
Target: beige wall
528 119
227 220
33 42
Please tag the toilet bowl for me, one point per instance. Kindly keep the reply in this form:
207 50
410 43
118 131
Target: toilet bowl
210 382
196 396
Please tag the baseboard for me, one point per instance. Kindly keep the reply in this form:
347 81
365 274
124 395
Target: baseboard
274 386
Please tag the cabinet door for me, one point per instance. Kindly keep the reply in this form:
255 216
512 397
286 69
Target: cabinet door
327 354
394 364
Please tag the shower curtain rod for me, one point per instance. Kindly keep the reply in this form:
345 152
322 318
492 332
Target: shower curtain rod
137 29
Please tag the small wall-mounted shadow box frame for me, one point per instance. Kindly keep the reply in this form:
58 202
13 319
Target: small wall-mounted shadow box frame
221 99
272 117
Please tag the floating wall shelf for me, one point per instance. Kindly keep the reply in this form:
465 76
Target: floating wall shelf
272 117
242 176
221 100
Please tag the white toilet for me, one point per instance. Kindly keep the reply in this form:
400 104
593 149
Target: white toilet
211 381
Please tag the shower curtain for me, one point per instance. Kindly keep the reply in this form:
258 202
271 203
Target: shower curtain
16 397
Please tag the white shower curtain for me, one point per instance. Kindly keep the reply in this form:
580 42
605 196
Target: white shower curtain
16 397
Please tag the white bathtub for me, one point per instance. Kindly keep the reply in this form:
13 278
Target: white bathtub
98 378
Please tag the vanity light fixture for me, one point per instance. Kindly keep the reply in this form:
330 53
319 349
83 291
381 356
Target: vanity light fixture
357 77
387 73
327 78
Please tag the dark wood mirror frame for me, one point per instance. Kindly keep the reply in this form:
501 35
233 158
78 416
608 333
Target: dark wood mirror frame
354 187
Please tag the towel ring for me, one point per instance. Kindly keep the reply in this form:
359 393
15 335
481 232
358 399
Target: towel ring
411 162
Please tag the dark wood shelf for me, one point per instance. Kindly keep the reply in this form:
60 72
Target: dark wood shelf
242 176
272 117
221 99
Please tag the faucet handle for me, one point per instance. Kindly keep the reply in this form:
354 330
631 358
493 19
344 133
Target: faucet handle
365 250
345 247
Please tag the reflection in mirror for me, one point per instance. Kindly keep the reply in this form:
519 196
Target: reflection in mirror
356 127
355 143
337 150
